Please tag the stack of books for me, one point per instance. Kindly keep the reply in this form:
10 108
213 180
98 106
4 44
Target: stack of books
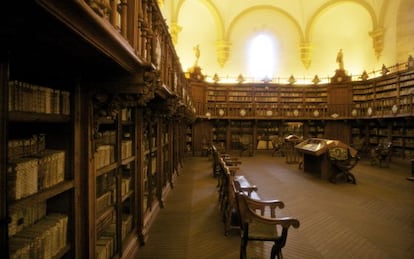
22 178
41 240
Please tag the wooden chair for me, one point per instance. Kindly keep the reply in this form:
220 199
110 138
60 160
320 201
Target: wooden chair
381 154
343 162
258 222
277 145
216 157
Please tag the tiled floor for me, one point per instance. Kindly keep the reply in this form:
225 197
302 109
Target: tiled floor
373 219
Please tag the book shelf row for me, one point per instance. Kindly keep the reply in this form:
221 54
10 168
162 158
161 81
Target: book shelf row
42 99
363 134
387 95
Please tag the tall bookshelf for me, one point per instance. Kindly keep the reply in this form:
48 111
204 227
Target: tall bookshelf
76 150
112 186
39 177
291 100
151 174
406 85
266 98
314 129
241 132
315 100
385 94
188 139
363 98
219 132
265 131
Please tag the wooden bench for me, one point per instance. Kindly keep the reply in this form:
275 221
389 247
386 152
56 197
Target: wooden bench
217 156
225 168
235 184
259 222
226 173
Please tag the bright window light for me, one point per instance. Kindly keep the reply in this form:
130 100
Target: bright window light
261 57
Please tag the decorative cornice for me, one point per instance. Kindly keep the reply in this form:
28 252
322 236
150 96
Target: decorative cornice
305 49
175 29
223 51
377 36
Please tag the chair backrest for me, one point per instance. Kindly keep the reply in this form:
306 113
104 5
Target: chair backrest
338 153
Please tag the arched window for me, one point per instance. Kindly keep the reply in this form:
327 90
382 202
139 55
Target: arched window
261 56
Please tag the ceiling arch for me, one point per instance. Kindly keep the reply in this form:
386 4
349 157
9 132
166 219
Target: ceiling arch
253 9
325 7
213 10
226 21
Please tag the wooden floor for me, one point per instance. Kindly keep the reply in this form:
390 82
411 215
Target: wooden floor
373 219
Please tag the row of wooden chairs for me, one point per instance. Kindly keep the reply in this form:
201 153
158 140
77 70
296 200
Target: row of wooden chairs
244 210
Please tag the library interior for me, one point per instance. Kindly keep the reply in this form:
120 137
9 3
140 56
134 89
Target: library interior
201 129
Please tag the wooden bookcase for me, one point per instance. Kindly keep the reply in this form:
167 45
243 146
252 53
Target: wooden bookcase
314 129
83 158
357 112
265 131
40 178
189 139
362 97
405 94
112 186
219 132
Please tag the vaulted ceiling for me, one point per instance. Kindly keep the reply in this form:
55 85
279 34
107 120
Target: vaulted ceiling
306 34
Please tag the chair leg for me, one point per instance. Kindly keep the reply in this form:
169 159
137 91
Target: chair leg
333 178
276 252
351 177
243 254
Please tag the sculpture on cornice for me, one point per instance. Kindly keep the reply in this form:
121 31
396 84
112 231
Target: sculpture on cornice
340 73
195 71
196 50
340 59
